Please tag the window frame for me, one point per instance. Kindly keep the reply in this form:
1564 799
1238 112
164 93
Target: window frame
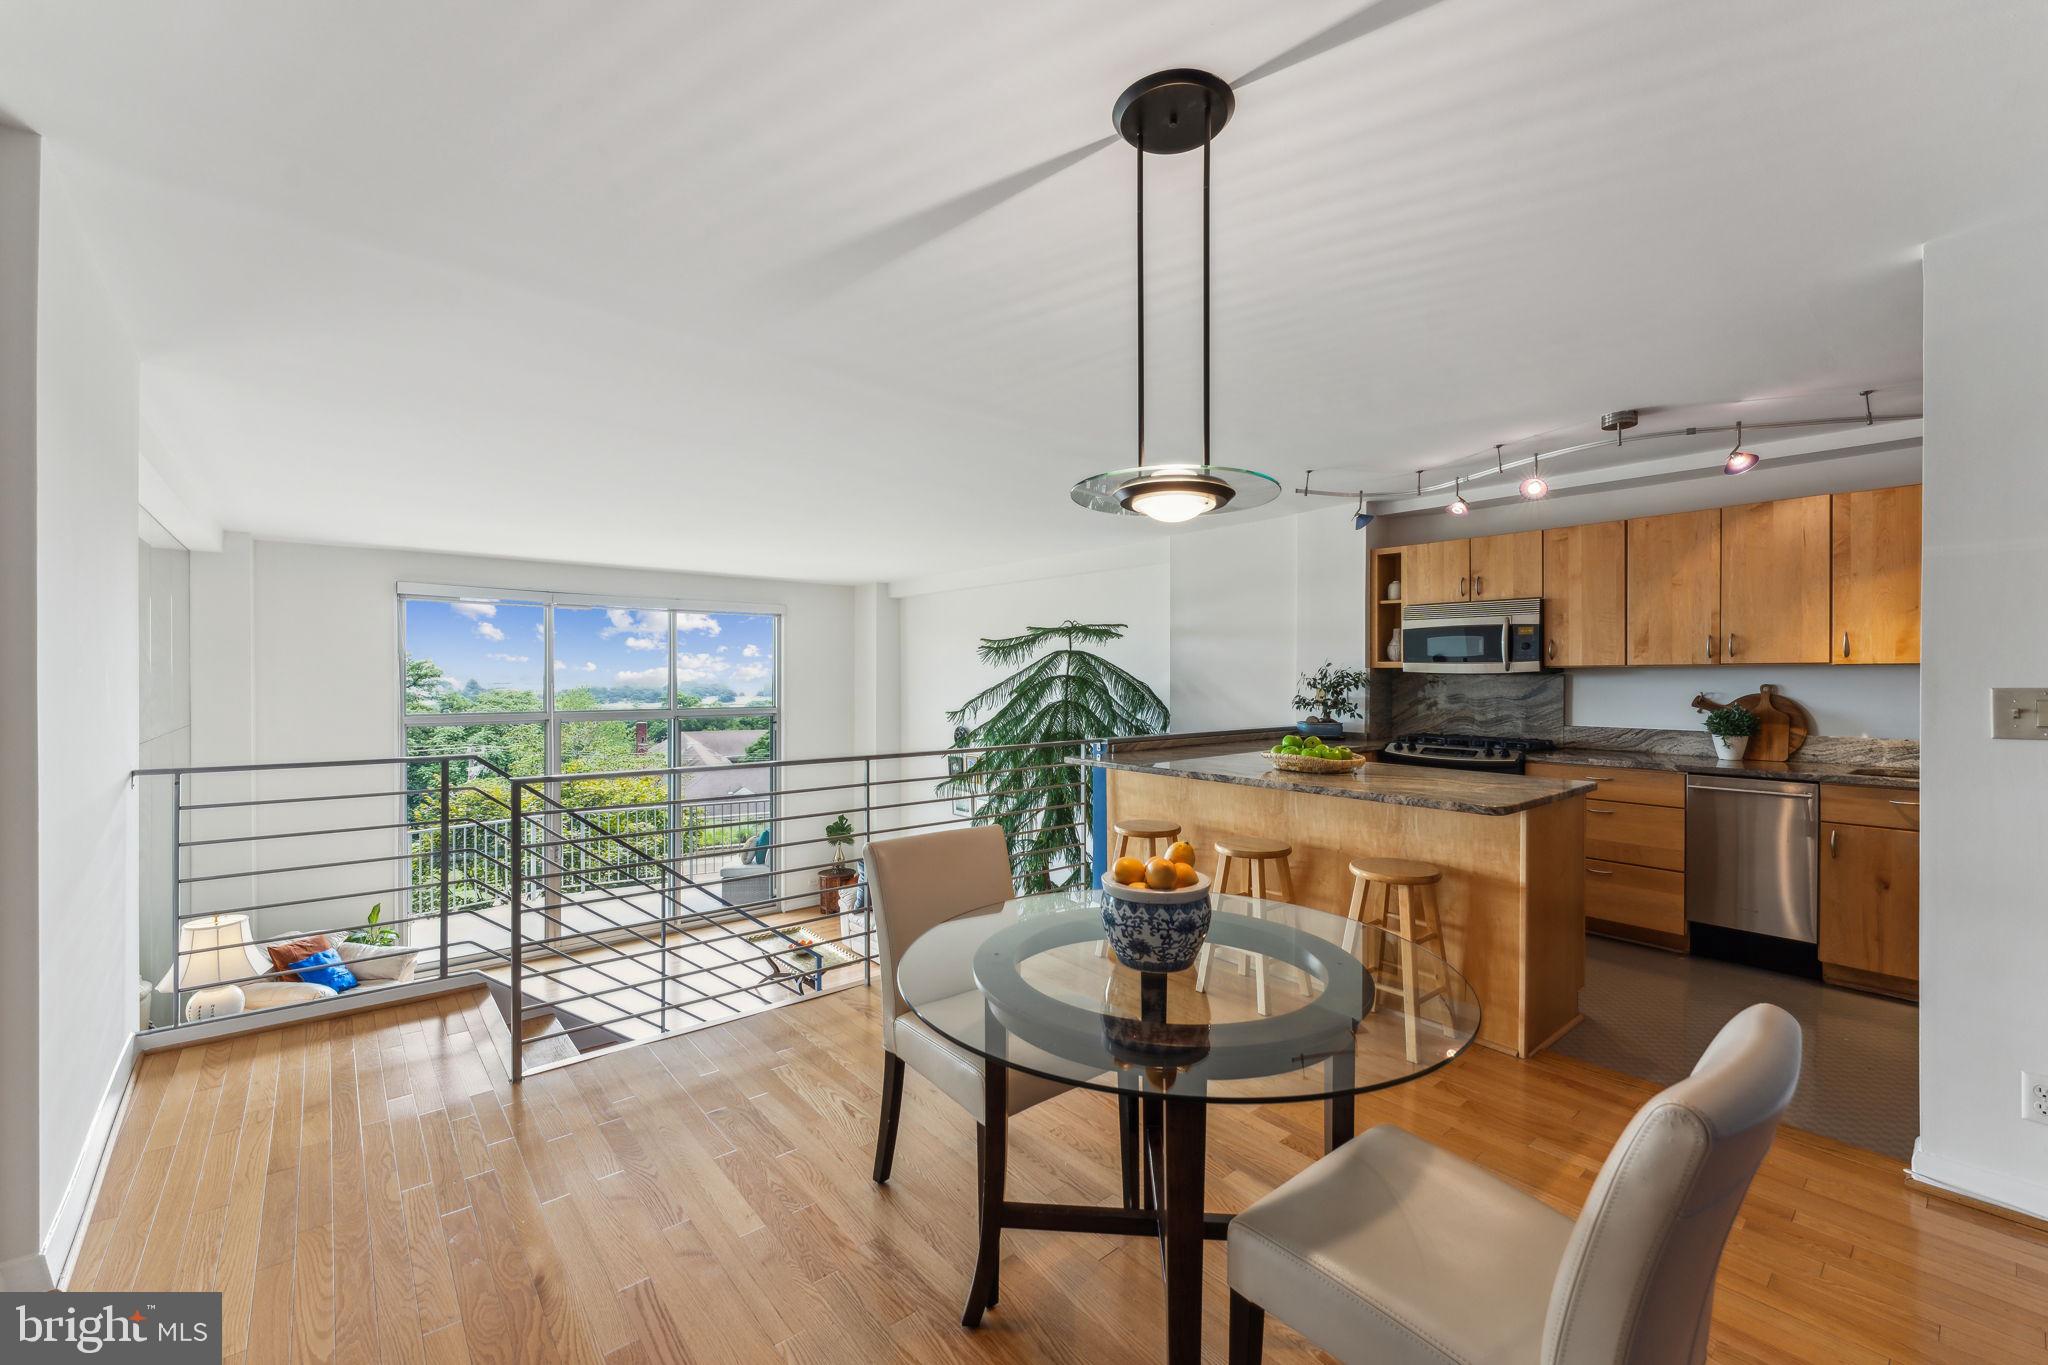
551 719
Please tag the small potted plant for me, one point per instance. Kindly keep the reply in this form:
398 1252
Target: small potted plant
1731 727
373 933
831 897
1325 698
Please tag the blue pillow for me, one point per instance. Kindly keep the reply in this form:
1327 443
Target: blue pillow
324 969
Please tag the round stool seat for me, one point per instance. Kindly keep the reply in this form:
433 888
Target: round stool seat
1396 871
1250 846
1147 829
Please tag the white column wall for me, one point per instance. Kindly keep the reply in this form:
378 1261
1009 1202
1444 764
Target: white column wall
1984 933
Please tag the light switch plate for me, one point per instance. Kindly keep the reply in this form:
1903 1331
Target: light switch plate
2019 713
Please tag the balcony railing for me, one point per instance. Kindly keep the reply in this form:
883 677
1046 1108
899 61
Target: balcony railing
634 918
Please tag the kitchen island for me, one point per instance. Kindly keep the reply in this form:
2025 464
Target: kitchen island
1511 848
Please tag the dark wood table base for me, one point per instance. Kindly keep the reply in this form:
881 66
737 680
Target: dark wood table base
1162 1198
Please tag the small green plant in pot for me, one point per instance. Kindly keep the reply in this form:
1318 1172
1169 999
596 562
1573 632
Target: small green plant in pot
373 933
831 898
1325 698
1731 727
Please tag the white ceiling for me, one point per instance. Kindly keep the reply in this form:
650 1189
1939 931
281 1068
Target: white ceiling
844 290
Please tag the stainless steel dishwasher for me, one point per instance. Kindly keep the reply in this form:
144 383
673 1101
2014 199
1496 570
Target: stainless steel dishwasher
1752 855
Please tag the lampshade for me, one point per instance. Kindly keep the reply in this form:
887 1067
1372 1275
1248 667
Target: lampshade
213 949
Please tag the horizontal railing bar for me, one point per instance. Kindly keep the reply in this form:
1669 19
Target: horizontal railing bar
404 855
710 999
283 767
296 800
429 823
844 758
308 900
694 941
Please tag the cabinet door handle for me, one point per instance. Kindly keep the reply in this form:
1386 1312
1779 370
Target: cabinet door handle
1845 644
1710 646
1478 584
1731 646
1598 872
1550 648
1599 810
1833 836
1461 589
1914 804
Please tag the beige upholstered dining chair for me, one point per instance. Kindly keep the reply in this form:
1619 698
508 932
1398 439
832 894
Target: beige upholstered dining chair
1393 1251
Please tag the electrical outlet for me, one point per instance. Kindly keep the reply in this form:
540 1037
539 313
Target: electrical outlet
2034 1096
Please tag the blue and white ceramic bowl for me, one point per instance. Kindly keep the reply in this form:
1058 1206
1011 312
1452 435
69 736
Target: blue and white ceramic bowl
1155 931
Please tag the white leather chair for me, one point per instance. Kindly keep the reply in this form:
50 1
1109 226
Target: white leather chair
918 882
1392 1251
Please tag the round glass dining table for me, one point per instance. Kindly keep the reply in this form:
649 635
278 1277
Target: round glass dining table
1030 985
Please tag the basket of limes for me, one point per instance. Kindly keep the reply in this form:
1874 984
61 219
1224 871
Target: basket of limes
1307 754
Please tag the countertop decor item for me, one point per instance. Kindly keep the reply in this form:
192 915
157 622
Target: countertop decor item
1303 763
1731 727
1155 931
1325 698
1164 114
1783 724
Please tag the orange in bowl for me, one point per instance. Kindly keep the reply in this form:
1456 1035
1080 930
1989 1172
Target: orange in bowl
1159 875
1128 871
1184 875
1182 852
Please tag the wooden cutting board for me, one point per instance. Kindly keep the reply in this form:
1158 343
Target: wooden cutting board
1784 724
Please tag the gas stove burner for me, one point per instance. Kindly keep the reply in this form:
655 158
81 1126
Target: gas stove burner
1493 753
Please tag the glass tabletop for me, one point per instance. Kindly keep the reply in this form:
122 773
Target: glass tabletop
1031 983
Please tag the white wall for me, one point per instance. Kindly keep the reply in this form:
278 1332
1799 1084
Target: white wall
21 1226
70 1045
1984 934
940 623
1234 587
1879 701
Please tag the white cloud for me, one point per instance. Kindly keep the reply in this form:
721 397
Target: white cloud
589 666
489 631
540 632
723 648
474 610
751 673
623 620
644 642
698 667
560 664
751 652
642 677
510 658
697 621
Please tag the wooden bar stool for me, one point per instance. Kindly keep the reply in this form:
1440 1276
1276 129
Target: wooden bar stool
1254 854
1405 892
1157 835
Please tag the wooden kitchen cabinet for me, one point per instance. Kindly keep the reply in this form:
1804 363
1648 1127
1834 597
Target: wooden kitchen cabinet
1775 602
1870 908
1876 552
1438 572
1507 566
1674 588
1635 852
1585 595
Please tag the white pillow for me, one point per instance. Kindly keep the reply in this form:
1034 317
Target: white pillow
370 962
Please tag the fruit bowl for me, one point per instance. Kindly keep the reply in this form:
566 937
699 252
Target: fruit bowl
1155 931
1302 763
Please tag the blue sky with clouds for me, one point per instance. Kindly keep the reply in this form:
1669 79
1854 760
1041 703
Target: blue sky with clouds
499 644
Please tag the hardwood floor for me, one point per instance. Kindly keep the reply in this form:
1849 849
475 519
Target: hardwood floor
372 1187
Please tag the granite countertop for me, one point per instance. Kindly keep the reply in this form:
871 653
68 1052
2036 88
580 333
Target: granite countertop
1795 769
1397 784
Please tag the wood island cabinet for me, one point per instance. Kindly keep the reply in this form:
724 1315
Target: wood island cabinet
1674 588
1585 595
1507 566
1774 582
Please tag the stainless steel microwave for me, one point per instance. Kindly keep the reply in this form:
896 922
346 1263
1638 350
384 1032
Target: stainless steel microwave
1473 637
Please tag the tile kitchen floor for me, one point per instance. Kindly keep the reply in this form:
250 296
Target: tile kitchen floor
1651 1013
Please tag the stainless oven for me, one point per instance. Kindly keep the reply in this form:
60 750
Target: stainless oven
1473 637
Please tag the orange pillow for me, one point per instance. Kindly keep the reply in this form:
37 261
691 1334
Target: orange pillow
283 955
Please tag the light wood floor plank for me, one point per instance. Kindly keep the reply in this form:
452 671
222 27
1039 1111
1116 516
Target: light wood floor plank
374 1188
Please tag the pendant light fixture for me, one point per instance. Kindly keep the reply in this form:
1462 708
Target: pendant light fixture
1739 461
1459 507
1164 114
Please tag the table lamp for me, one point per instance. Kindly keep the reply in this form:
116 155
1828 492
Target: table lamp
213 949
